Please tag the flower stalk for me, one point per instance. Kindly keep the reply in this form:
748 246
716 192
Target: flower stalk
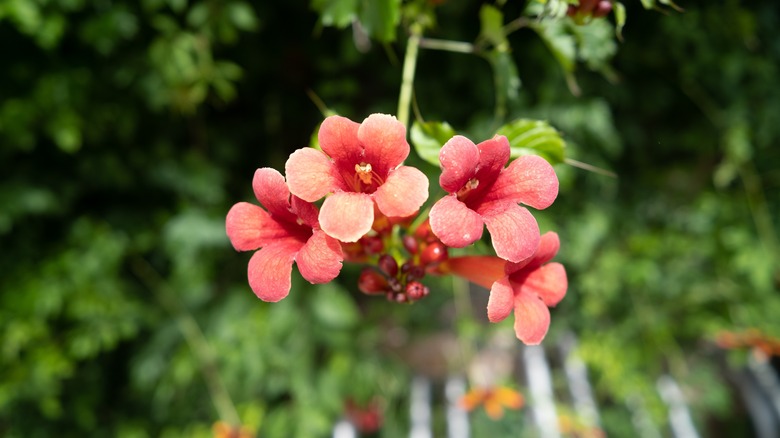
407 78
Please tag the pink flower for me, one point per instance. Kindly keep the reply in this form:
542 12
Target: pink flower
482 191
288 232
360 165
528 287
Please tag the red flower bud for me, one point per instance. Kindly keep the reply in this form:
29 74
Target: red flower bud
424 233
435 252
586 6
416 290
371 282
372 244
603 8
412 271
388 265
410 243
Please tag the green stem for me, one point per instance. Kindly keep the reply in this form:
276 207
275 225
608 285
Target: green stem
407 79
194 337
447 45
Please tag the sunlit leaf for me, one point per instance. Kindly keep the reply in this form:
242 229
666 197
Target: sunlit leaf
242 16
620 18
560 43
428 138
535 137
491 25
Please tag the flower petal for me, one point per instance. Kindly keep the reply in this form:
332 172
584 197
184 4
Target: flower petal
532 318
272 192
250 227
501 301
454 223
493 156
549 244
311 174
347 216
305 211
338 137
508 397
319 261
513 230
493 408
384 141
402 194
549 282
459 158
270 269
481 270
529 179
472 399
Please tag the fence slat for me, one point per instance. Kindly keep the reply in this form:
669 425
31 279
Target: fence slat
679 415
457 417
579 386
420 408
344 429
540 385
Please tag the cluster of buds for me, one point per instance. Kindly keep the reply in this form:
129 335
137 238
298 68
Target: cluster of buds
400 280
354 200
588 9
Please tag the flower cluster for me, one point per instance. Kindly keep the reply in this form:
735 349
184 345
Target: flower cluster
368 206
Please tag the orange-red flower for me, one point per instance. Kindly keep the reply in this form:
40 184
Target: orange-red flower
287 232
360 166
494 400
485 193
528 287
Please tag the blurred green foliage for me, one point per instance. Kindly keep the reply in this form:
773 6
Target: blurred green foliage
127 129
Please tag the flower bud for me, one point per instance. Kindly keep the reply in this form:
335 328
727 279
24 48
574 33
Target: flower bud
410 243
394 285
416 290
371 282
424 233
603 8
586 6
435 252
412 271
388 265
372 244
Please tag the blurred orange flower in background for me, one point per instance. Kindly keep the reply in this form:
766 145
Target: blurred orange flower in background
493 399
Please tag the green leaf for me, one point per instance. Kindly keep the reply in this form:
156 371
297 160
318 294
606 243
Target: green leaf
492 25
429 137
242 16
620 18
595 44
380 18
338 13
560 43
535 137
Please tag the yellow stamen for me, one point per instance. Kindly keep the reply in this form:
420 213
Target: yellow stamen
363 171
